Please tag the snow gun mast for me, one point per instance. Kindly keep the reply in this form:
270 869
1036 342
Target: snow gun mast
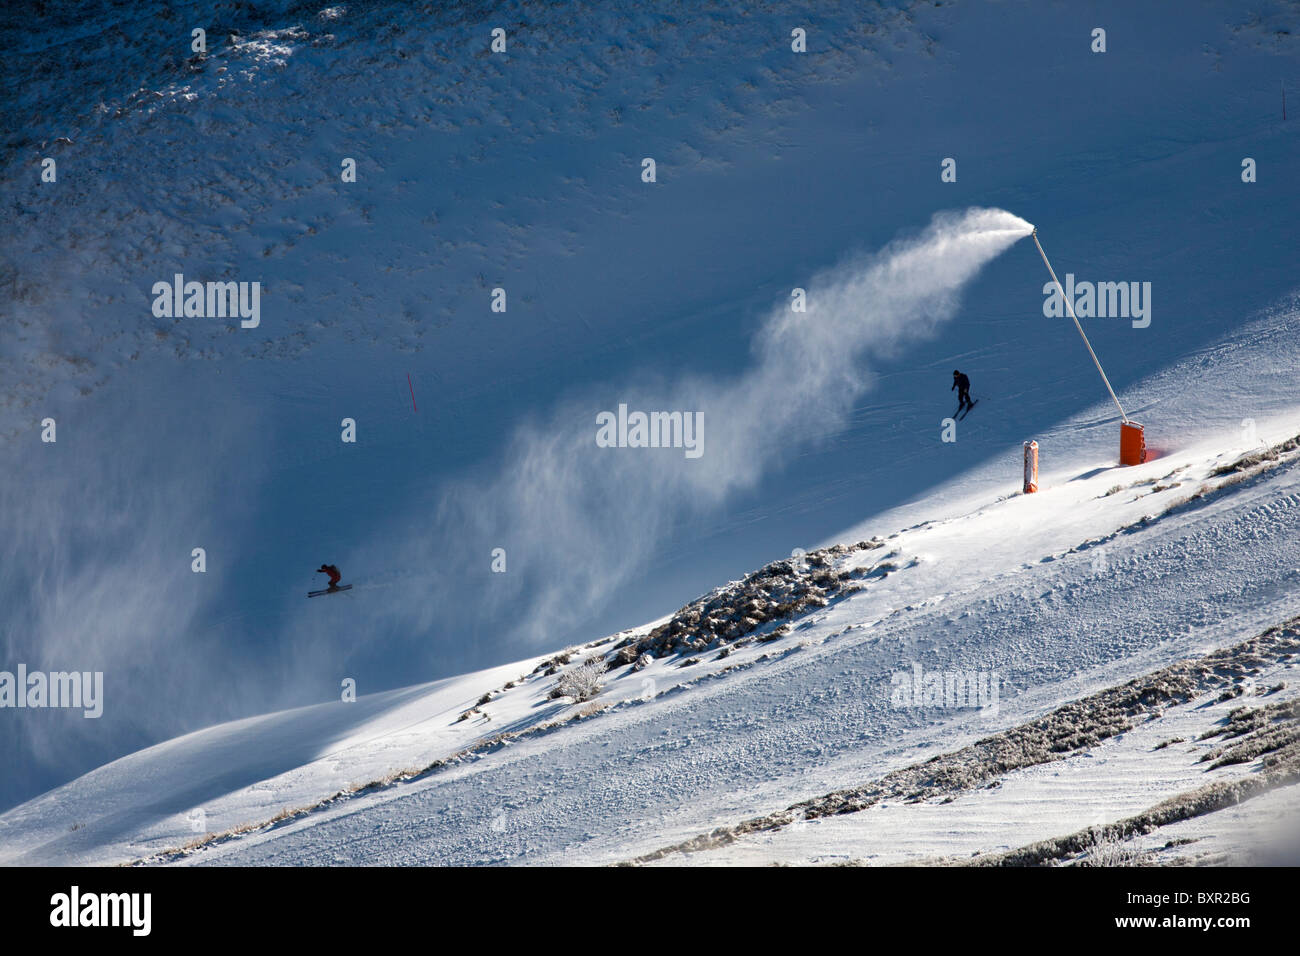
1132 445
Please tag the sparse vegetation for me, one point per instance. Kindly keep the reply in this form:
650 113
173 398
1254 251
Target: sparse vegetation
1246 462
1076 726
776 592
1109 848
552 665
582 683
1272 730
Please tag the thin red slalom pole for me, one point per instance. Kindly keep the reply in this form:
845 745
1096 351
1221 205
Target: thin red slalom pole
412 388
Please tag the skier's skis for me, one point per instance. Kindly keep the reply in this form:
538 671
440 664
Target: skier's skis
968 408
344 587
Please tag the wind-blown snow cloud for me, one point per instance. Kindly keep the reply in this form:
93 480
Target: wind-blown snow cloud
577 520
96 539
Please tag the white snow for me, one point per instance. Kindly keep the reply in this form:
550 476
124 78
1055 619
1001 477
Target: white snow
522 171
685 750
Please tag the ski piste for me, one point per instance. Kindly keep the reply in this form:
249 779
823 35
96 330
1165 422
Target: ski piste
344 587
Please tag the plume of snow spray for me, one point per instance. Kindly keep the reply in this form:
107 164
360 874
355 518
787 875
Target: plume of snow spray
577 520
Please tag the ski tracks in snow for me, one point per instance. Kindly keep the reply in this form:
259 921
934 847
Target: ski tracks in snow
636 778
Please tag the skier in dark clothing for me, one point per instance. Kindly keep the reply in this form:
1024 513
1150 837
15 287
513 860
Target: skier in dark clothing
333 572
962 384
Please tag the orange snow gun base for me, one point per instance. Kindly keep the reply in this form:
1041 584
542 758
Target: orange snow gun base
1132 444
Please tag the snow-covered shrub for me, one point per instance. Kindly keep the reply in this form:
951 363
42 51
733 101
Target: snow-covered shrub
1109 848
581 683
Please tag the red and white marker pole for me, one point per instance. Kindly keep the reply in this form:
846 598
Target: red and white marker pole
1031 467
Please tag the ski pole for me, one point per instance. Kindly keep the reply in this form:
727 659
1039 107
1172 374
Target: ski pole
1070 308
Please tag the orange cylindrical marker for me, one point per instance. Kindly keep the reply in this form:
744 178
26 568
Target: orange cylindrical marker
1031 467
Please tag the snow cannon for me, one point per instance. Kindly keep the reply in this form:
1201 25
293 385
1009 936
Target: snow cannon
1132 443
1031 467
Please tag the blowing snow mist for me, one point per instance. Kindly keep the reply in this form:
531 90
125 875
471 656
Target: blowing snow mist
575 520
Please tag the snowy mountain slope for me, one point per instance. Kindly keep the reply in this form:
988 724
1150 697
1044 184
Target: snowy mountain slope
522 171
1169 753
267 763
824 712
682 750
